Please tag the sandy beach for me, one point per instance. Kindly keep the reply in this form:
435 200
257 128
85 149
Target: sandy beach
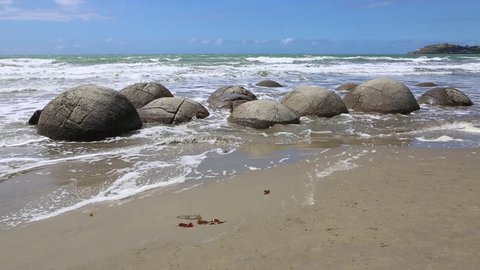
386 208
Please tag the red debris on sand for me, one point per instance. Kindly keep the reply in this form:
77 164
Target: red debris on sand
185 225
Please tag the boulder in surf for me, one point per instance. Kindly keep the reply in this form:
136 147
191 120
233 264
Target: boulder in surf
314 100
88 113
172 110
382 95
445 96
140 94
261 114
229 97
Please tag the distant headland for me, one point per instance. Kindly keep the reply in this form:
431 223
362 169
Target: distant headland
447 48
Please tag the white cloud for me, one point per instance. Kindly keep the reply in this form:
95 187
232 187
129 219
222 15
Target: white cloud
286 41
6 2
218 41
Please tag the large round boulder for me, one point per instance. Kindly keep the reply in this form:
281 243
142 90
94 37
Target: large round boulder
346 86
172 110
445 96
382 95
314 100
140 94
263 114
88 113
268 83
229 97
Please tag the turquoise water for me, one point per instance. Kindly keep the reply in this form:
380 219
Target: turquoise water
41 178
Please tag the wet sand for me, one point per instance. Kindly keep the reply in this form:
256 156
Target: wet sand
390 208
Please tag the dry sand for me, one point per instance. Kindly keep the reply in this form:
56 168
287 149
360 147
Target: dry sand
399 209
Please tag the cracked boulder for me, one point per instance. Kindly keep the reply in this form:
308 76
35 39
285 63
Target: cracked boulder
314 100
262 114
445 96
172 110
140 94
268 83
346 86
382 95
229 97
88 113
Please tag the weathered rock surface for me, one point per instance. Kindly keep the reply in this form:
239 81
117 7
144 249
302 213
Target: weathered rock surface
447 48
314 100
445 96
88 113
262 114
229 97
140 94
34 118
382 95
426 84
172 110
269 83
346 86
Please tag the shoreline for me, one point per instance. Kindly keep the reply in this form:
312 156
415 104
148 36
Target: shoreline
380 208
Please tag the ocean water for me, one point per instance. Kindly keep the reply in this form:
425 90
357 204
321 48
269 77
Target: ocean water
41 178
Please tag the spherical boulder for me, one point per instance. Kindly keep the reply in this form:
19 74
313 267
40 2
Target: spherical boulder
140 94
445 96
426 84
229 97
382 95
346 86
172 110
88 113
268 83
262 114
314 100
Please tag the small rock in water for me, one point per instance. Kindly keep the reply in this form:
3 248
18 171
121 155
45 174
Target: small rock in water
346 86
426 84
269 83
34 119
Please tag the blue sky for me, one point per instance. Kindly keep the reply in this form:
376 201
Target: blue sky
228 26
